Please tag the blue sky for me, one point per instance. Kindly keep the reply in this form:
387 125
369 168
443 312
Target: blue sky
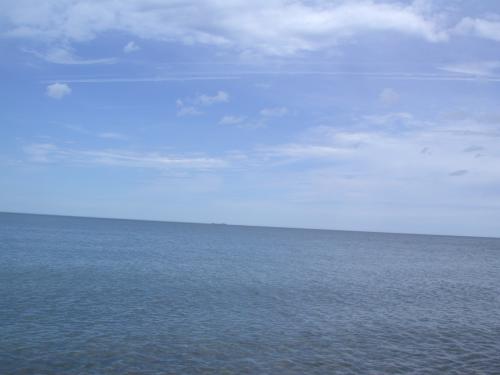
358 115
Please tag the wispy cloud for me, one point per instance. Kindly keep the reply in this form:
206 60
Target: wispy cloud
263 85
131 47
207 100
232 120
258 120
112 135
295 151
40 152
274 112
333 169
246 122
482 27
391 118
66 56
404 154
476 68
193 106
389 96
50 153
184 109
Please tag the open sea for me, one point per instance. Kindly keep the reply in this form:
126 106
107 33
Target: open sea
104 296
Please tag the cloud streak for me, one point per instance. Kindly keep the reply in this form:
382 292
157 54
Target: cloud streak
192 106
462 76
51 153
65 56
179 78
477 68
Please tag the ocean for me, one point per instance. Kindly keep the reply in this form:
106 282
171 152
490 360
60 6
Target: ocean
105 296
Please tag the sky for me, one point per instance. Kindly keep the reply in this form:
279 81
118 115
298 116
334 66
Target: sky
351 115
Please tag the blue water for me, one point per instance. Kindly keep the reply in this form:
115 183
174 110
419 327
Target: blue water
94 296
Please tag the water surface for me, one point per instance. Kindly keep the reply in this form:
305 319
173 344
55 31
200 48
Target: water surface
92 296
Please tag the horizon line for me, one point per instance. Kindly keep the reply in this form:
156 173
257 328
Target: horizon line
247 225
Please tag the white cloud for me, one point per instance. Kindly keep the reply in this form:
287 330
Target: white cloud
274 112
131 47
191 106
276 27
389 96
186 110
66 56
484 28
58 90
207 100
232 120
